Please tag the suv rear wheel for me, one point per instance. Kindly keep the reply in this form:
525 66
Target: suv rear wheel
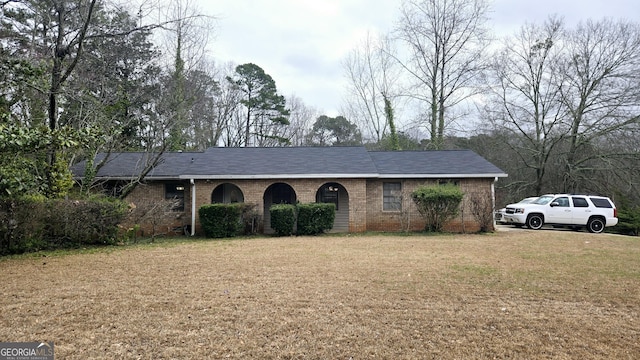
535 221
595 225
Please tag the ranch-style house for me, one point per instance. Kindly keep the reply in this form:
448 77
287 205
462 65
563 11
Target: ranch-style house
371 189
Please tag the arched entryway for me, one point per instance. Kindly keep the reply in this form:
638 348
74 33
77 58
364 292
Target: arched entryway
278 193
227 193
338 195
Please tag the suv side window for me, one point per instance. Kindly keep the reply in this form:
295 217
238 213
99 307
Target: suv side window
601 202
562 201
580 202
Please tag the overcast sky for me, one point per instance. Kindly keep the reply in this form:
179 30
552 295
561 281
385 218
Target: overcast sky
301 43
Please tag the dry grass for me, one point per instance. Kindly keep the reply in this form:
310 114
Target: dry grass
510 295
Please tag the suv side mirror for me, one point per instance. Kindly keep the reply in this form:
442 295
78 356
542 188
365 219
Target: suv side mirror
555 203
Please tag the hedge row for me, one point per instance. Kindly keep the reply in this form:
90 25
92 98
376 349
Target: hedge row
33 224
303 219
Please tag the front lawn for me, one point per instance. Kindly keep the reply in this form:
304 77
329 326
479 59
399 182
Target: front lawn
517 294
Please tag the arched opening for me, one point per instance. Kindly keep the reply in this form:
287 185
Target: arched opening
227 193
338 195
278 193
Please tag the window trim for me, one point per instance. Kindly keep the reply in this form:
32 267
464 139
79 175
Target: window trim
397 197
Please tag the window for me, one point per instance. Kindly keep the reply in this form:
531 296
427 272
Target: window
580 202
392 196
562 201
543 200
449 181
282 194
226 193
601 202
175 191
114 188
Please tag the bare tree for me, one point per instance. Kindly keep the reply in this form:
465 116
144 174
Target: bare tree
524 97
153 213
301 120
205 126
446 42
186 40
481 208
187 33
601 92
405 209
373 74
226 115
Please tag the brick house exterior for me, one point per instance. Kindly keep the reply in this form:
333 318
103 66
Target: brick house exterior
371 189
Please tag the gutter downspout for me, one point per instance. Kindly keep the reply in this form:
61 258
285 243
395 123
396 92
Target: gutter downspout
193 207
493 201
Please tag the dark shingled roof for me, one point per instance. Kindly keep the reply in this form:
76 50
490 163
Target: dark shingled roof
300 162
458 163
333 161
128 165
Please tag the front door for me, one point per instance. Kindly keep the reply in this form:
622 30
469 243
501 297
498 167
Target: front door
581 211
336 194
559 211
278 193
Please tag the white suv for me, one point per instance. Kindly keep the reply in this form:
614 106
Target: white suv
576 211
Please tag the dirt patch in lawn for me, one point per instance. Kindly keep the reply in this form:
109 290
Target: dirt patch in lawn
516 295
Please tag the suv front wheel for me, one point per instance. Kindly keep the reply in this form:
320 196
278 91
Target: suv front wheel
595 225
535 221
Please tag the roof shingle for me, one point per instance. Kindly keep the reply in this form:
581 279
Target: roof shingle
280 162
441 162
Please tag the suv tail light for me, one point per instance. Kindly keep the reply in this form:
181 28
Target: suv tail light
615 212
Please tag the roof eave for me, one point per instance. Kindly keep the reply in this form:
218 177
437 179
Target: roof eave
441 176
304 176
276 176
132 178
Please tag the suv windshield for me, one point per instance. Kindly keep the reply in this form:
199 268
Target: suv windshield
543 200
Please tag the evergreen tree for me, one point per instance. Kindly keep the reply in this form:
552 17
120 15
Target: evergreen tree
266 113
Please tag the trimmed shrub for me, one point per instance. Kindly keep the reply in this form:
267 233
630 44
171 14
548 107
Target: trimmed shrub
437 204
315 218
283 218
221 220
